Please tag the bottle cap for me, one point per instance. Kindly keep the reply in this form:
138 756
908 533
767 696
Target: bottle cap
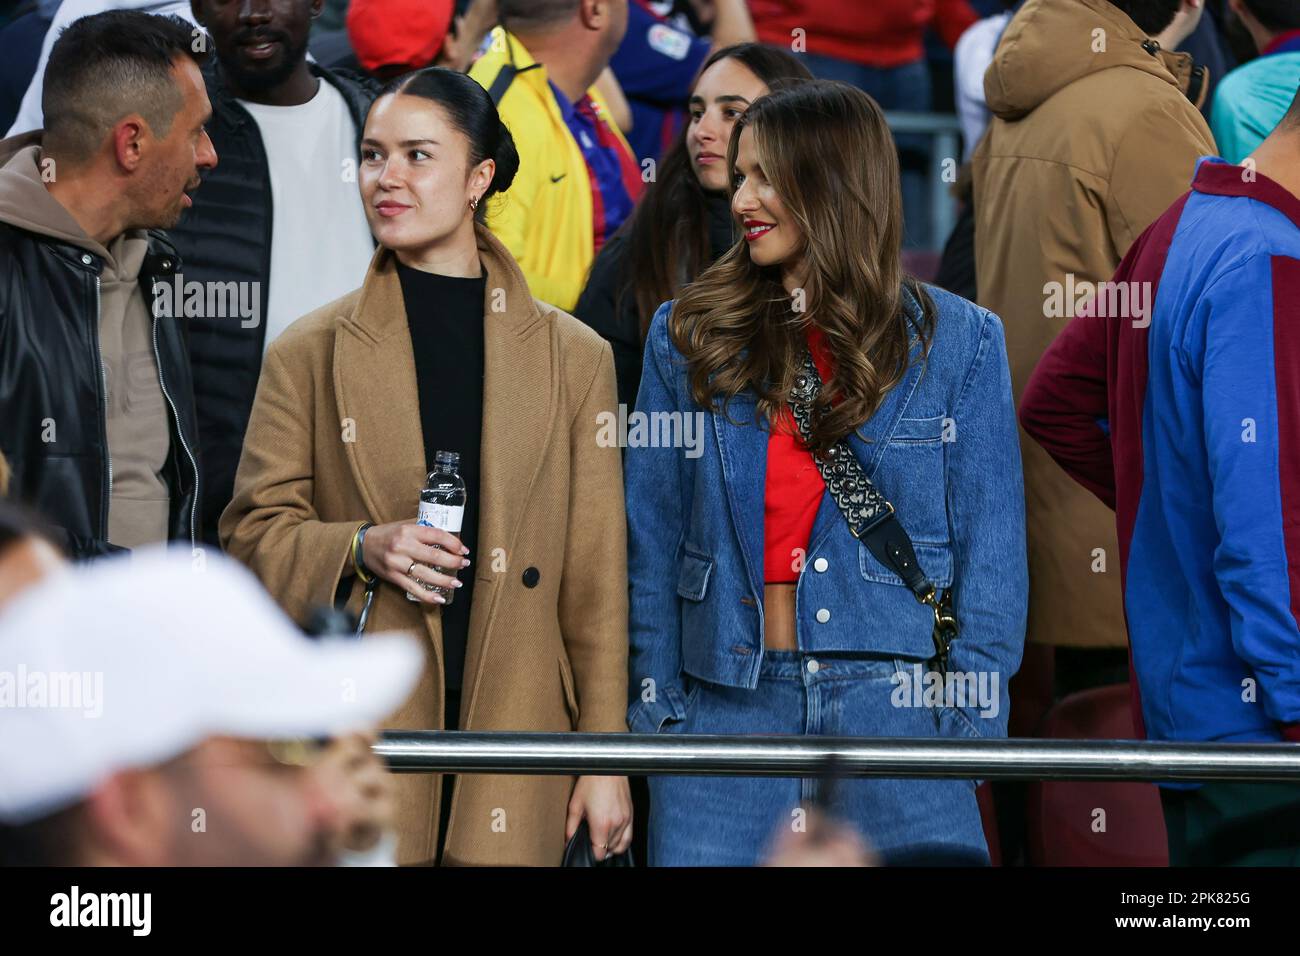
449 458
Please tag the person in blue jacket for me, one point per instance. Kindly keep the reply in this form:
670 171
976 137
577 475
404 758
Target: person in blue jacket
754 607
1184 416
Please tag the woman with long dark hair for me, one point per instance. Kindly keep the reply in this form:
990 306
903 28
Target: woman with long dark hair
683 221
444 349
844 553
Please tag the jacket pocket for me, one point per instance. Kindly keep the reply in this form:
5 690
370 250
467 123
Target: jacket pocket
917 431
693 577
935 560
682 702
912 474
667 708
570 695
955 722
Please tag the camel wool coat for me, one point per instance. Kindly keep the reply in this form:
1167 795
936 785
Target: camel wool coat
335 440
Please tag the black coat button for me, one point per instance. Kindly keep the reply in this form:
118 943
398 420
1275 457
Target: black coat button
531 577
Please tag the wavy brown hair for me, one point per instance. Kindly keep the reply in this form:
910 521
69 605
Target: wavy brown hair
827 152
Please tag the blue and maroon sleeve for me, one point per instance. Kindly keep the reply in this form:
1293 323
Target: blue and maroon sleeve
1064 406
1250 378
1083 402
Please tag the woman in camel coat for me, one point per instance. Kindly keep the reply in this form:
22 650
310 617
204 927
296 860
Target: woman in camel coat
337 440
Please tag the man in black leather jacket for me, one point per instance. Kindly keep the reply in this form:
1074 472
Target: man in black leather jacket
96 409
282 214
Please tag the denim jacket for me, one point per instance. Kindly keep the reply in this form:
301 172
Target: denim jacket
943 447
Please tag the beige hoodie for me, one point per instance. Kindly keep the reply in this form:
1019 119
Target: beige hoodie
1092 138
138 429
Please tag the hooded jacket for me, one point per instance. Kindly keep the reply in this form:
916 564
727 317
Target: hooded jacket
1093 136
94 384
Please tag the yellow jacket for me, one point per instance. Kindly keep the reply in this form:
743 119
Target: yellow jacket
545 217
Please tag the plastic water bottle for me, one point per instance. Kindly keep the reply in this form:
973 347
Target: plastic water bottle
442 505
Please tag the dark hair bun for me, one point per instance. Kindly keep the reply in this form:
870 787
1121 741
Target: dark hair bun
507 160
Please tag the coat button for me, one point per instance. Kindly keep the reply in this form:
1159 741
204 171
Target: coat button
86 260
531 577
813 666
823 616
821 564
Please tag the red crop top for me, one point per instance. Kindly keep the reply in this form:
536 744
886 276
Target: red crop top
793 489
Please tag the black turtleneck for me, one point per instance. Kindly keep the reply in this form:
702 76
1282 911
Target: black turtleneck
445 316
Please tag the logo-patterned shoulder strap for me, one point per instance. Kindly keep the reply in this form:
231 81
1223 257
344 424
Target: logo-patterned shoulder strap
870 516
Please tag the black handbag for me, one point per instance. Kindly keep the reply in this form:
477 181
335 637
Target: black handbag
870 516
578 851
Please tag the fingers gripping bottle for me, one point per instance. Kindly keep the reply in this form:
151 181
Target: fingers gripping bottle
442 505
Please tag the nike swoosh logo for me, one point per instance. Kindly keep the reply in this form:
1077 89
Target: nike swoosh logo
556 179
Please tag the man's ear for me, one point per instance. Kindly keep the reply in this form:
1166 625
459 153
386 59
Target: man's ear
126 818
128 141
592 13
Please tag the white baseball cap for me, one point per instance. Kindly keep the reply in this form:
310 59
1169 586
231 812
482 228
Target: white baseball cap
134 660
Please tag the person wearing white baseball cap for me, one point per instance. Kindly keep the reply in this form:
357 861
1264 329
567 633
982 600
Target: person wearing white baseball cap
156 711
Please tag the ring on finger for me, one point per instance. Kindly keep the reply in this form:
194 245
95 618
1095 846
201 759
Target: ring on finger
411 569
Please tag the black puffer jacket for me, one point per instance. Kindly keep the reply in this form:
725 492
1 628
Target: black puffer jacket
226 237
52 387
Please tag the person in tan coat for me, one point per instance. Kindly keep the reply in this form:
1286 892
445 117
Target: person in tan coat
1093 136
351 399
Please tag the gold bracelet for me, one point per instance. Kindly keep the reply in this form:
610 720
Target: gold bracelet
358 560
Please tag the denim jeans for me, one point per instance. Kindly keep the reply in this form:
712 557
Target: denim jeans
731 821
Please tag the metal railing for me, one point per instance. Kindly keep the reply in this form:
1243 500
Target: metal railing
943 132
799 756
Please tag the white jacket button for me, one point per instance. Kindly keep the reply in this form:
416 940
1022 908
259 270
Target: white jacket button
823 616
821 564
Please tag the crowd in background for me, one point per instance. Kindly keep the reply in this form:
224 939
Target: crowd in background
343 236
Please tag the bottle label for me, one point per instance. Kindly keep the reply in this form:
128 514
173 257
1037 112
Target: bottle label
446 517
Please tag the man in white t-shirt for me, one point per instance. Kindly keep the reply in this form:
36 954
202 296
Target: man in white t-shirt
320 242
282 219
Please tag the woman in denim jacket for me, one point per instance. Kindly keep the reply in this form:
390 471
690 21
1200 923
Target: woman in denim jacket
754 609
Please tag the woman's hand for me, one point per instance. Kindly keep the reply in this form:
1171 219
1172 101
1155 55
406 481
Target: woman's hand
390 549
606 803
